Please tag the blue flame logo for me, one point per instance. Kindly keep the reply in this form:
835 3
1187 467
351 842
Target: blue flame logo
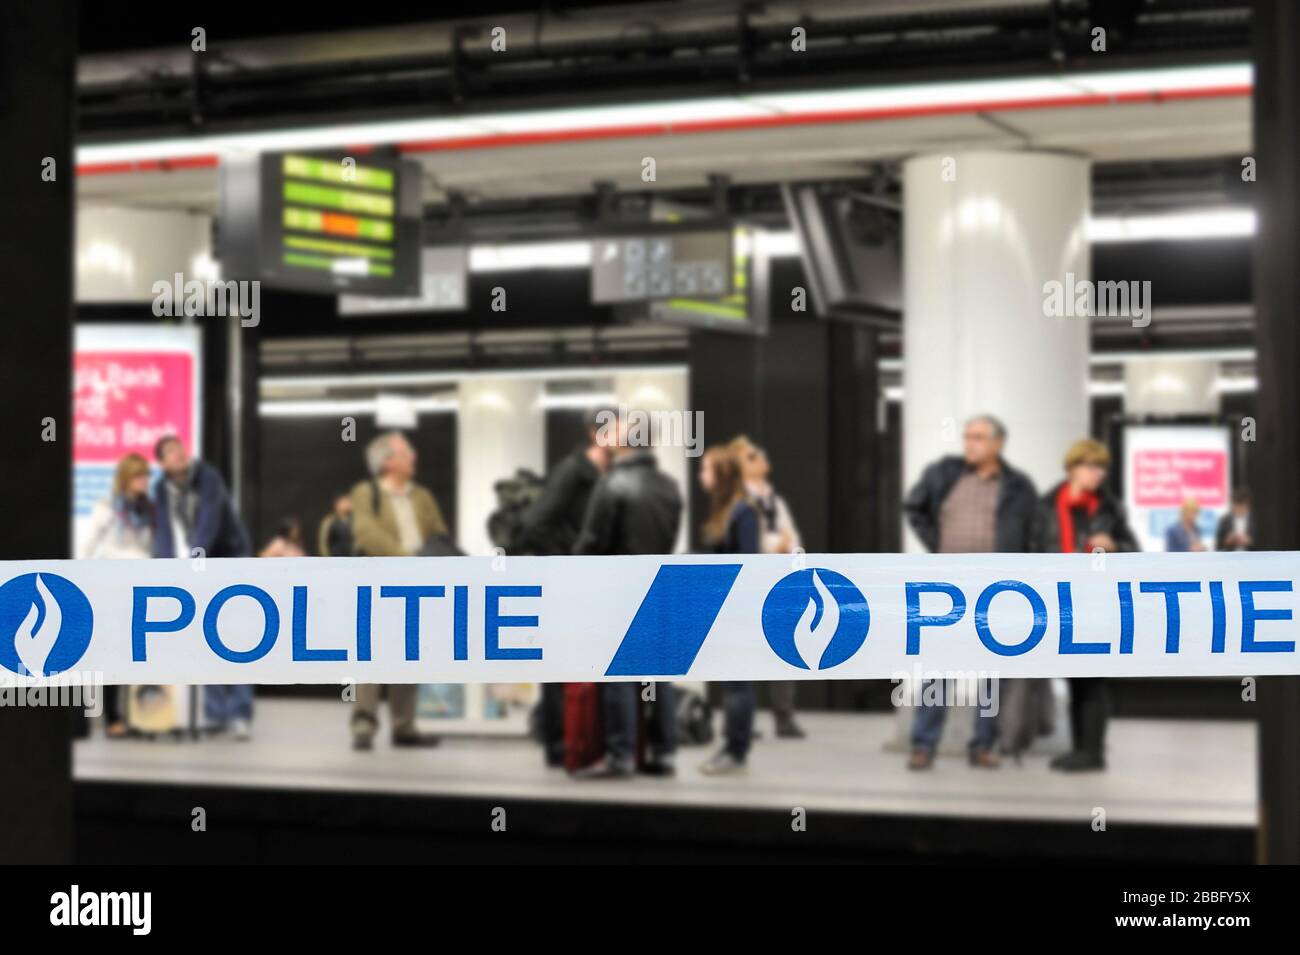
815 615
45 625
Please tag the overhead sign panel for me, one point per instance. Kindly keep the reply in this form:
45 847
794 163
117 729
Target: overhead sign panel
321 223
661 265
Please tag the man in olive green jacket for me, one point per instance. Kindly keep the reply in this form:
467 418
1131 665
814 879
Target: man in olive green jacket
392 516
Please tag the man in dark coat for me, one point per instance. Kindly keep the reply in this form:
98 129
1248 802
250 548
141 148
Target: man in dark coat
195 518
551 526
972 504
635 509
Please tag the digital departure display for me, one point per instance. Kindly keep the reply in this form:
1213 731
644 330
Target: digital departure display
322 223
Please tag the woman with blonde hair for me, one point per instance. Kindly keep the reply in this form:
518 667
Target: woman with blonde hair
777 535
732 527
121 527
1080 516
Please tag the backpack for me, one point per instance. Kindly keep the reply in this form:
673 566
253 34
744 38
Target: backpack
515 498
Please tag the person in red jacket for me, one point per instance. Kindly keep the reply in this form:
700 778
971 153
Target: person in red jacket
1080 515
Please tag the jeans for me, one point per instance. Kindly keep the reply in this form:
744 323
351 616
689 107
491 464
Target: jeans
620 710
927 728
223 702
740 700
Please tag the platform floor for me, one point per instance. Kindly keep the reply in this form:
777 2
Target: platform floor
1161 772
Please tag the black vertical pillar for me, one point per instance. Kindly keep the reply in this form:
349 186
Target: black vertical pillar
1277 340
249 465
37 96
853 456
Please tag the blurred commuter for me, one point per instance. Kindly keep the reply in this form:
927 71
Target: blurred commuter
779 535
1081 516
121 527
392 516
975 503
635 509
733 527
1237 527
551 527
287 541
334 536
195 517
1184 536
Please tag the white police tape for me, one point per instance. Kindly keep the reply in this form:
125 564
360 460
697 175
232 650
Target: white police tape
542 619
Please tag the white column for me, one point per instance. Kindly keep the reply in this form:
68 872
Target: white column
983 232
665 390
500 428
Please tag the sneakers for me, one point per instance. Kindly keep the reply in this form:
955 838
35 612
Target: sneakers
416 741
724 764
241 730
604 769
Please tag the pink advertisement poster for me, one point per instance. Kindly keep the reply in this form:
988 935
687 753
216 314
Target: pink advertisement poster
1166 478
124 401
132 384
1168 465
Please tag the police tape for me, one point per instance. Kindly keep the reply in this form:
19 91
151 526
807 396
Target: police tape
550 619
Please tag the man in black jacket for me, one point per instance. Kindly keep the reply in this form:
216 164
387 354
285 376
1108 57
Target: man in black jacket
1236 529
635 509
976 503
551 526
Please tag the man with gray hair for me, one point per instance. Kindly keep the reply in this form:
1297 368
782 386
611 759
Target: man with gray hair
392 516
974 503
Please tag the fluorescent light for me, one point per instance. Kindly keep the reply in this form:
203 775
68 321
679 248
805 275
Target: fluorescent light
537 255
578 400
1236 385
1165 81
335 407
418 378
1026 90
1223 223
1105 389
636 114
774 245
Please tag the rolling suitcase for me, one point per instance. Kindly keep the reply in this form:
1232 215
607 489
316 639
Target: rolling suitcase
584 740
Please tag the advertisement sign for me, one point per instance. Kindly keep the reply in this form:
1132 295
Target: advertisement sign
1169 465
132 384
